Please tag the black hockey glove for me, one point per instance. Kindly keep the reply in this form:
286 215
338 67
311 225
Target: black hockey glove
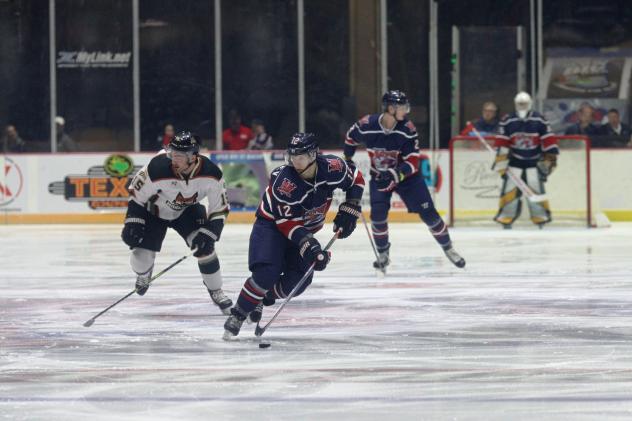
310 251
350 163
133 231
388 180
348 214
204 241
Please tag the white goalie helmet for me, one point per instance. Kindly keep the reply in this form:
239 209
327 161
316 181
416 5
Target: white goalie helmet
523 104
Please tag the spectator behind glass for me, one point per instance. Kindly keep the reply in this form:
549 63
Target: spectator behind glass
237 136
261 139
11 141
585 123
65 143
486 125
615 129
166 136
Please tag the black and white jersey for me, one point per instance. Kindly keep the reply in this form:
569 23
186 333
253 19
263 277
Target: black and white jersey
166 194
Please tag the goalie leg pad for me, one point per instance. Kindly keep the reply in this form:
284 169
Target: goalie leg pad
510 204
540 212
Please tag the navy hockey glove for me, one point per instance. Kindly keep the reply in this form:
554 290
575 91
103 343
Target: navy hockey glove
133 231
388 180
348 214
204 241
352 165
310 251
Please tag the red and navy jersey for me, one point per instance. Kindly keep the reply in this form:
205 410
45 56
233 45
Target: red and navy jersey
298 207
526 138
397 148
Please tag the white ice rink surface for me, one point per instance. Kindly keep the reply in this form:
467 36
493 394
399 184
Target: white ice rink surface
537 327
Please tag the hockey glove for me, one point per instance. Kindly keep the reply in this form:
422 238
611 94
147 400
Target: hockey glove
352 165
204 242
133 231
547 164
348 214
310 251
388 180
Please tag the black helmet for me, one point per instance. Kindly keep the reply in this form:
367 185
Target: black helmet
303 143
394 98
185 142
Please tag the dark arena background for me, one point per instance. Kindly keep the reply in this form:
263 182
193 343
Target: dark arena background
512 122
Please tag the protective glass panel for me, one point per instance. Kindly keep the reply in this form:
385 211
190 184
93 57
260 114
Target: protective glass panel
94 74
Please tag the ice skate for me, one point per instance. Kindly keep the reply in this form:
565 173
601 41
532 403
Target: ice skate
383 261
142 283
255 315
221 300
232 326
455 257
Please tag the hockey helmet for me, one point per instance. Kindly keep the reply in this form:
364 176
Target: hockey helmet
184 142
395 98
302 144
523 103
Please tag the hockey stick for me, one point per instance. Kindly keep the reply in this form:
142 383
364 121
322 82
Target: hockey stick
522 186
91 321
259 330
373 246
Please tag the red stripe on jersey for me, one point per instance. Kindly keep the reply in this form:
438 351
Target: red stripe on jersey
287 226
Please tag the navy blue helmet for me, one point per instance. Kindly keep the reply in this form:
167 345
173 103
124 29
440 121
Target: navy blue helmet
394 98
303 143
185 142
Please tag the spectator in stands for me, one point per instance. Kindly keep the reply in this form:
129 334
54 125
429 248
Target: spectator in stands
615 129
487 125
12 142
261 139
65 143
166 136
237 136
585 124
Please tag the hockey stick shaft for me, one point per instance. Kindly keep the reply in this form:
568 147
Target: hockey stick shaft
156 276
522 186
373 246
259 330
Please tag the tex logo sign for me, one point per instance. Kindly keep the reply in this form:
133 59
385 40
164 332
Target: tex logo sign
11 181
103 186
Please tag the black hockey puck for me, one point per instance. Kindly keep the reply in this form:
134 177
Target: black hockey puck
263 345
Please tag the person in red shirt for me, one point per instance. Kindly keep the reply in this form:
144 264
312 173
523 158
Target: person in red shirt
166 136
237 136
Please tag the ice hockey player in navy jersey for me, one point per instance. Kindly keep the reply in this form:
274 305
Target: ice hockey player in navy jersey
528 148
166 193
392 144
293 208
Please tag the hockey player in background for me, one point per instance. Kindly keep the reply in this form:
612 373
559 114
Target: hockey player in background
293 208
392 143
527 147
166 193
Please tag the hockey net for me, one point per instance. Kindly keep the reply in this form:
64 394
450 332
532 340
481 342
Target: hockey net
475 187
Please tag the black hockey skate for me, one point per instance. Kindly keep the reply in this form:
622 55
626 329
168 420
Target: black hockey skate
255 315
142 283
232 326
221 300
454 257
383 259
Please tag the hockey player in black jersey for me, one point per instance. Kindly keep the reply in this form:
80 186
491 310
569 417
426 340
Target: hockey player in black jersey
392 144
166 193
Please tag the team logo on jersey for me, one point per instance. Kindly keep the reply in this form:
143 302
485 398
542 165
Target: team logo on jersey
524 141
286 188
315 215
334 165
186 200
383 159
